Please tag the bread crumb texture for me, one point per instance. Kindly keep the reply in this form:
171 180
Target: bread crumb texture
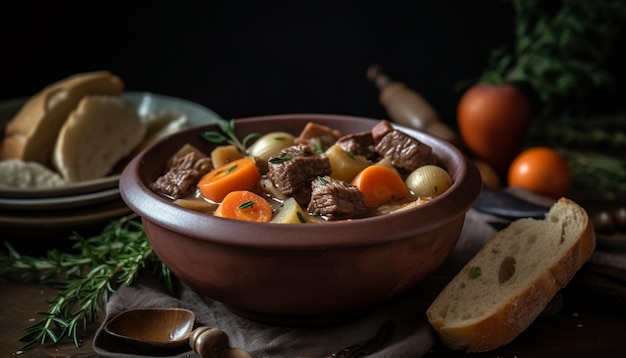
511 279
16 173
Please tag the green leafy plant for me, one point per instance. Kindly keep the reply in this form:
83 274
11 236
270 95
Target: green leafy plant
560 49
85 278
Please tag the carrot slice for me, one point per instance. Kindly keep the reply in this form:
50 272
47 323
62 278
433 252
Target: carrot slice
241 174
380 185
245 205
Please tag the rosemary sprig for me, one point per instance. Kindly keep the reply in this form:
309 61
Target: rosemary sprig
606 133
246 204
84 279
597 171
228 136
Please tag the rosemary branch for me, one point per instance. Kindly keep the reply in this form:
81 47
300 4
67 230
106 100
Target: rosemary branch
591 133
597 171
84 279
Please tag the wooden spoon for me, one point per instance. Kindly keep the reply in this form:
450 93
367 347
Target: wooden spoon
168 329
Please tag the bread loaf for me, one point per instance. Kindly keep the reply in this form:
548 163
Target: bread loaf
505 287
32 133
101 131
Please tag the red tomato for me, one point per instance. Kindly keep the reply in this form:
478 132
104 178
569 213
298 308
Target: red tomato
493 120
543 171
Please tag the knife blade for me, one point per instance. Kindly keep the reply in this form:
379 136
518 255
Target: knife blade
506 205
369 346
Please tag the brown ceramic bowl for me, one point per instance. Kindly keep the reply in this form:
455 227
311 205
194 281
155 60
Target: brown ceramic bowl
292 272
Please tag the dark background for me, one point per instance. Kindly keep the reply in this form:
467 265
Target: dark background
246 58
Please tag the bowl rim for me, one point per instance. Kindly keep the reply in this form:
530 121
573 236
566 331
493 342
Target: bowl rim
160 211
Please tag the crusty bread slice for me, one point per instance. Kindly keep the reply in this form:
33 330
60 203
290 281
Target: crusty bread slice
508 283
33 131
101 131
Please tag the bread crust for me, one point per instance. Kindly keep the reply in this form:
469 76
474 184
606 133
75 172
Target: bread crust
515 315
32 133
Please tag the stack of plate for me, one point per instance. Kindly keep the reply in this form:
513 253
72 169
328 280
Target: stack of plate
59 211
79 207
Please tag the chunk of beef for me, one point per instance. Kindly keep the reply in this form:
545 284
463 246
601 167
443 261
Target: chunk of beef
261 165
381 129
293 169
183 175
317 136
405 152
336 199
359 144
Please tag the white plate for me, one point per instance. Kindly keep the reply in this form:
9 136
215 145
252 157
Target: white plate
147 104
58 203
46 226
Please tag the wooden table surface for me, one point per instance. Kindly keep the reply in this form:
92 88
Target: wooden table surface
585 324
586 319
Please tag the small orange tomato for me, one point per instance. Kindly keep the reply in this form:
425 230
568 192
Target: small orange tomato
541 170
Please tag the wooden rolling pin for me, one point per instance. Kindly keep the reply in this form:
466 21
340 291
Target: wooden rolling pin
407 107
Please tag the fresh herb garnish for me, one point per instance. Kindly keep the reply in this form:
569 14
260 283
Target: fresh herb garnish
85 279
317 146
278 160
228 136
231 168
474 272
246 204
